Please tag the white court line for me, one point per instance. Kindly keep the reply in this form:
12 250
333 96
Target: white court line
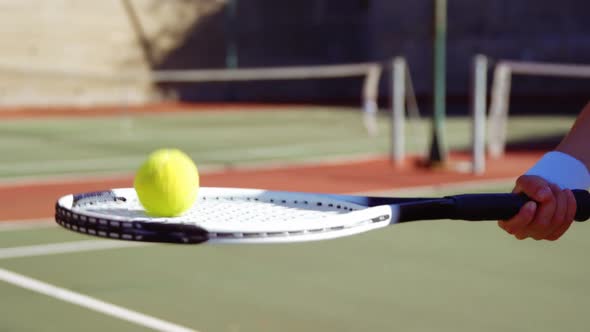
132 161
25 224
65 247
90 303
209 169
82 177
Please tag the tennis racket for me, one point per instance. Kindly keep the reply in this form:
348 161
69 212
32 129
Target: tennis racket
232 215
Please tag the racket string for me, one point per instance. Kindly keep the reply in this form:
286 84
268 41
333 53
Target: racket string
215 210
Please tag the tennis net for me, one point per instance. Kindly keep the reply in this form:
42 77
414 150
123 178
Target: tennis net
503 74
134 87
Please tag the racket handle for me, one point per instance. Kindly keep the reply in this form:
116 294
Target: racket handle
505 206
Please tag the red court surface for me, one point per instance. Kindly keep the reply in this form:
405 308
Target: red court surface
36 200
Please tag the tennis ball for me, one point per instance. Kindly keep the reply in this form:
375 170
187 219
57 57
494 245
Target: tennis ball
167 183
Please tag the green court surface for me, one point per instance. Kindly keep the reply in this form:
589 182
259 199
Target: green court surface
421 276
116 144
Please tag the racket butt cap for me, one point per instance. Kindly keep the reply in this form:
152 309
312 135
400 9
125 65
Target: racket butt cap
583 204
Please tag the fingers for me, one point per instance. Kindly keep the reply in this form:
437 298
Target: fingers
568 218
561 208
534 187
518 224
547 217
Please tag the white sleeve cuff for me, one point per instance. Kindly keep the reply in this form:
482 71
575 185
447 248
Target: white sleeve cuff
563 170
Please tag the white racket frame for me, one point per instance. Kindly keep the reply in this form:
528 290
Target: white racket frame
355 218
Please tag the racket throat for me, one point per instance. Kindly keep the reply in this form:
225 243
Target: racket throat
426 210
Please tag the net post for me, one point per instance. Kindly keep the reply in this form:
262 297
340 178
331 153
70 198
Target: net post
498 116
438 148
398 93
370 93
478 112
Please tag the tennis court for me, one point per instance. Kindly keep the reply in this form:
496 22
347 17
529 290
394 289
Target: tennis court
432 275
364 97
438 275
50 146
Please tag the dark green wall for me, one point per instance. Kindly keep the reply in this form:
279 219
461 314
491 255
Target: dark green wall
277 33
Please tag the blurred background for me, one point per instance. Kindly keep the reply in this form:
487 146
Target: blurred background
112 36
345 96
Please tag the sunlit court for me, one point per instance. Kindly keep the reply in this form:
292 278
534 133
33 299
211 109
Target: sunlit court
292 166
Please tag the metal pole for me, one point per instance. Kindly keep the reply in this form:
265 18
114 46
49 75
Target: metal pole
398 94
478 112
498 116
370 106
438 153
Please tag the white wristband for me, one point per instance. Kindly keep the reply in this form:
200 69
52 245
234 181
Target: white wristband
563 170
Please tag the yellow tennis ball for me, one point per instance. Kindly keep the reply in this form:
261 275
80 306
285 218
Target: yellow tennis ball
167 183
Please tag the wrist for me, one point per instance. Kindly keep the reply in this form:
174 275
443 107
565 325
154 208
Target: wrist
563 170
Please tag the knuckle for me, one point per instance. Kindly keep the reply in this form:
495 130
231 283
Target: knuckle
545 217
555 188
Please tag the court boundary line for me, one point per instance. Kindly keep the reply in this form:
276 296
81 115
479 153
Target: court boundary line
65 247
89 302
26 224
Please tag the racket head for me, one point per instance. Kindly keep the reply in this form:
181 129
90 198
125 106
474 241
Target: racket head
223 215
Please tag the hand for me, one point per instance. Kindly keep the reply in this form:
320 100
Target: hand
547 217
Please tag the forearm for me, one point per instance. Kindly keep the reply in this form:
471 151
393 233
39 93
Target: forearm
577 141
569 165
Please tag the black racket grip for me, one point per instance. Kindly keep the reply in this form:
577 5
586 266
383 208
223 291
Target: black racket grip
504 206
